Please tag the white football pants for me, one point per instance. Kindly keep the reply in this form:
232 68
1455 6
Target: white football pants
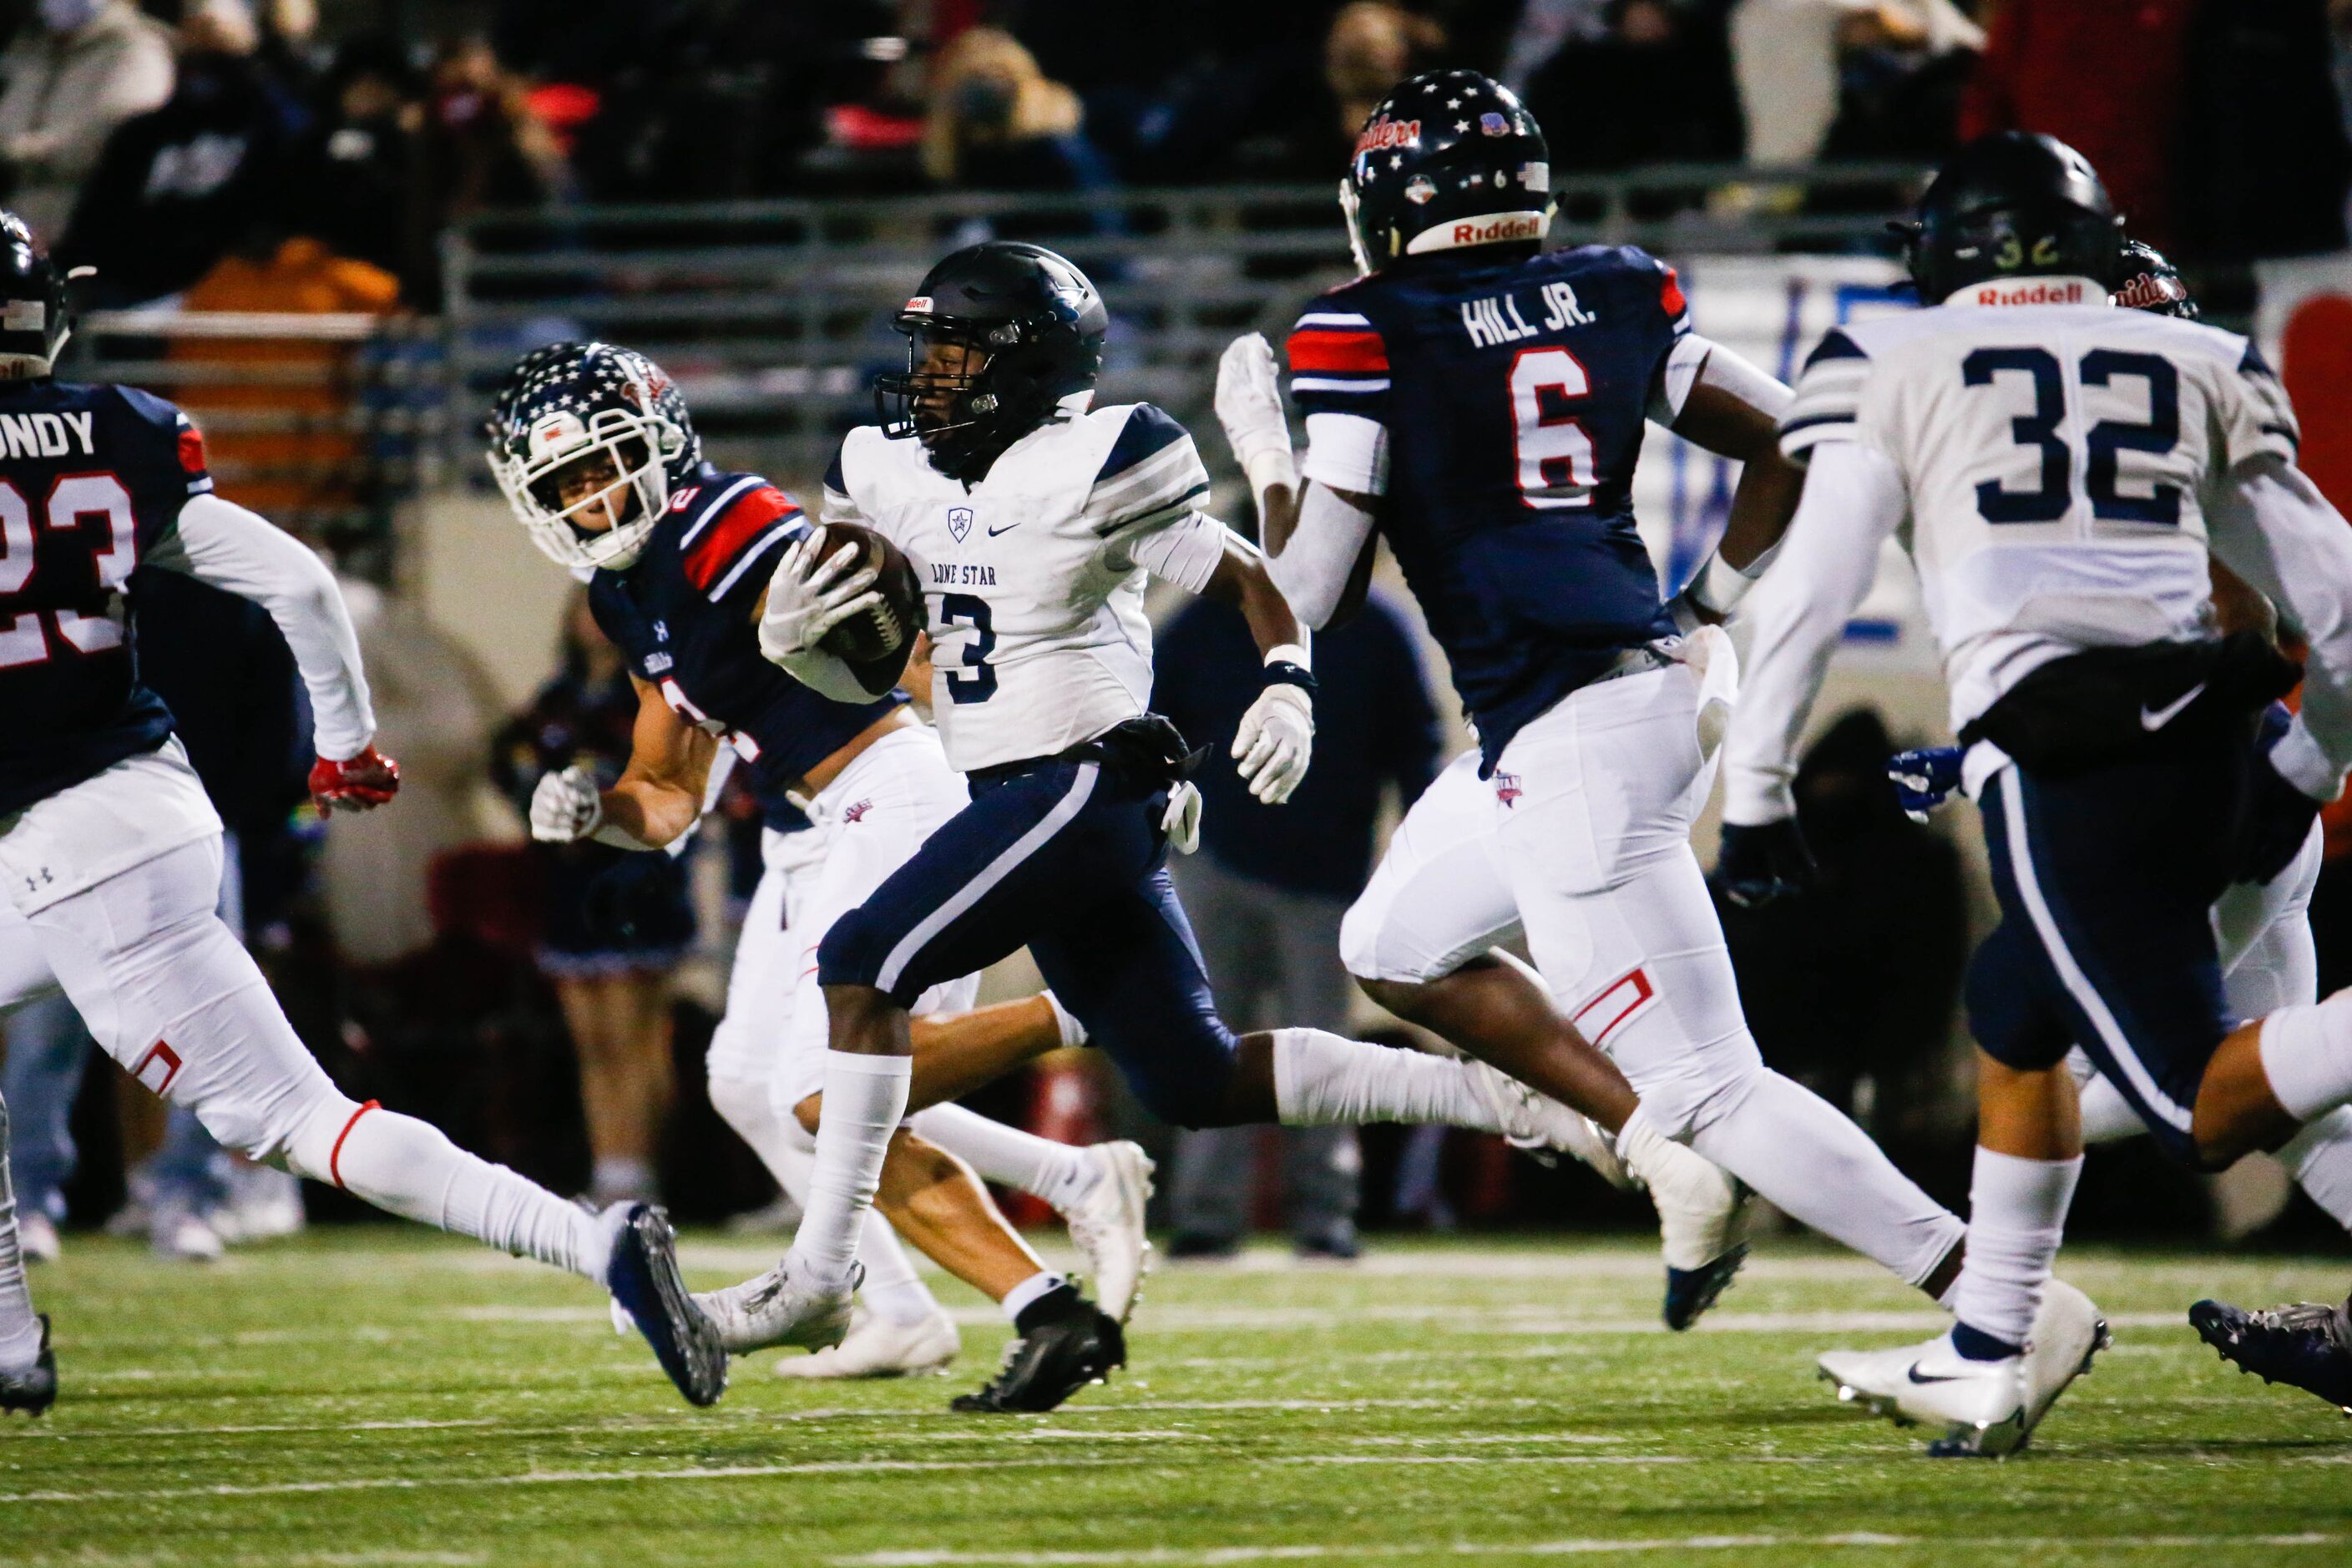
1581 840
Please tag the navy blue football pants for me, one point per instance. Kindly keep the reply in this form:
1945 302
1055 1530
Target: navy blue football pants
1067 860
2106 881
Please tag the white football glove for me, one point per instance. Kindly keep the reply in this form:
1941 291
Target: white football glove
1249 405
566 807
1181 821
811 594
1274 741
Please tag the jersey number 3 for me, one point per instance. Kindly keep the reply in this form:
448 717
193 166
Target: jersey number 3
71 498
2052 497
1553 448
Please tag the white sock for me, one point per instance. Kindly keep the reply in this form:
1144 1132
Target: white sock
409 1168
617 1176
864 1096
1810 1162
1321 1079
2017 1215
892 1290
1058 1172
2107 1116
1022 1297
2321 1158
2307 1056
20 1332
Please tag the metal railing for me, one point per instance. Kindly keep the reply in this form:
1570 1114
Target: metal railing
774 315
323 422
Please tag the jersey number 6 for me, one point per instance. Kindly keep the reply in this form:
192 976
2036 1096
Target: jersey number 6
71 498
1553 450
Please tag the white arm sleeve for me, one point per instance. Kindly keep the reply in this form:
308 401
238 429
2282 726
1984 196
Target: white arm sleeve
2270 526
219 542
1313 569
1695 361
1854 499
1347 452
1185 553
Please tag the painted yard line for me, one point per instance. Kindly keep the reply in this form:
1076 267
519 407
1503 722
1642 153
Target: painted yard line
1214 1555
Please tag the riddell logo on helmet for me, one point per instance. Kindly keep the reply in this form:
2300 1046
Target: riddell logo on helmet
921 305
2037 292
1384 132
1518 226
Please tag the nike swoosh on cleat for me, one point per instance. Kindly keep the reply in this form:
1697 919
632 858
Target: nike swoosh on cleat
1913 1376
2154 719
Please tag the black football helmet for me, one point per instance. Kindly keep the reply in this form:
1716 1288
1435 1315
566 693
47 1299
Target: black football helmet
33 320
2153 283
568 402
2012 204
1039 322
1449 159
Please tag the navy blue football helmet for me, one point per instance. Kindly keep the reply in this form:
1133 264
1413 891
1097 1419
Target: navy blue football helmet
574 403
34 321
2151 282
1449 159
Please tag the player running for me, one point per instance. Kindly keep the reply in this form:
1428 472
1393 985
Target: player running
2058 469
596 452
111 852
1480 402
1032 518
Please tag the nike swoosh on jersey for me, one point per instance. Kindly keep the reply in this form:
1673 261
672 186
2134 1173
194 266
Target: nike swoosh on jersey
1008 528
2154 718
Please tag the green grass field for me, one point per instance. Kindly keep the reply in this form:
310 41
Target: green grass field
382 1396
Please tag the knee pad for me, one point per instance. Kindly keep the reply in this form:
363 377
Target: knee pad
1181 1081
1688 1090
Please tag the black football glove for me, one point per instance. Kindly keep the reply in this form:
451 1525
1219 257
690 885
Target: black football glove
1757 865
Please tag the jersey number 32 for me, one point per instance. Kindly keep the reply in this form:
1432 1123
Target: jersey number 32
2107 441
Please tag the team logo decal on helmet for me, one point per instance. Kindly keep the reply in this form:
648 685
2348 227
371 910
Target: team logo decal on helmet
600 411
34 323
2152 283
1449 159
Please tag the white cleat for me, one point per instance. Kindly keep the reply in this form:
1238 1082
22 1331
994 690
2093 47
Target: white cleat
1106 1225
877 1349
780 1308
37 1237
2068 1334
1980 1405
1541 1125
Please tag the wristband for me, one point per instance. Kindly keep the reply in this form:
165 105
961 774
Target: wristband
1720 585
1273 464
1290 663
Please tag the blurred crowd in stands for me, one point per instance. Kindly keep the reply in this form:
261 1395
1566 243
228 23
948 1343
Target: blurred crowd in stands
153 141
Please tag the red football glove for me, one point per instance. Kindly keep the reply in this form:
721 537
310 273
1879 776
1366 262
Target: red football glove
357 784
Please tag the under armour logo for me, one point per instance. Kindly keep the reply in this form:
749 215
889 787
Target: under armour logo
1507 788
857 813
661 631
958 521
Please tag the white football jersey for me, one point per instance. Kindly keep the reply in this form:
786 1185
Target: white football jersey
2058 455
1033 593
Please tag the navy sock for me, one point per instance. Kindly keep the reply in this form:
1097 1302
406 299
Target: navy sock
1975 1344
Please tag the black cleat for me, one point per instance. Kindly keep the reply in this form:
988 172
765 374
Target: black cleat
34 1390
643 1279
1691 1292
1051 1362
2307 1344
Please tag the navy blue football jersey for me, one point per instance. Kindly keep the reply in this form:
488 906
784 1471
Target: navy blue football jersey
682 613
1513 392
91 479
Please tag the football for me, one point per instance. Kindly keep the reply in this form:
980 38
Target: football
889 626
